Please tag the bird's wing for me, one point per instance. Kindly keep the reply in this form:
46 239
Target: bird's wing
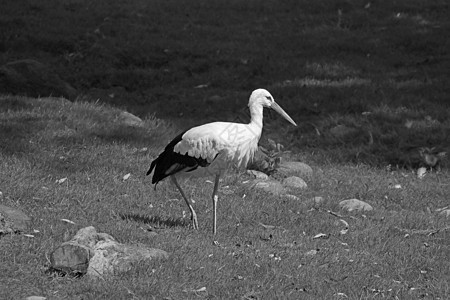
236 141
170 162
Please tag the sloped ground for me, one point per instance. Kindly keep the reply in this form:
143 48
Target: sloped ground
371 66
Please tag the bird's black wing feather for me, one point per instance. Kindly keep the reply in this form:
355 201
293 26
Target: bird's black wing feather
170 162
169 148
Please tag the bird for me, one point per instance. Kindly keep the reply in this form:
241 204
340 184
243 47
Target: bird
212 148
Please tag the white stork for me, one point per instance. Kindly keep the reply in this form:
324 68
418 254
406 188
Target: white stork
209 149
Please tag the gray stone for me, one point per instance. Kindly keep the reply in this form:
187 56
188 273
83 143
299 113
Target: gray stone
318 200
35 298
13 220
289 168
294 182
258 174
355 205
130 119
71 258
32 78
311 252
291 197
99 254
111 257
89 237
270 186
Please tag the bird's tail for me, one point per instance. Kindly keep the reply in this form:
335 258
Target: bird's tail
152 166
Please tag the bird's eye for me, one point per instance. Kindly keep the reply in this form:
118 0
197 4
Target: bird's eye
269 98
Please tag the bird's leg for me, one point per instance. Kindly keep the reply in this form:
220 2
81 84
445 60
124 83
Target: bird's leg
215 199
188 202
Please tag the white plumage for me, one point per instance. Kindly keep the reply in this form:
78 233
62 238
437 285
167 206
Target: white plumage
209 149
220 141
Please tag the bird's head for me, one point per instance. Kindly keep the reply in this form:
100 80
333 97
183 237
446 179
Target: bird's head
261 97
264 98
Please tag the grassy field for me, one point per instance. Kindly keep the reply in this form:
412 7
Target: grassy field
378 68
46 140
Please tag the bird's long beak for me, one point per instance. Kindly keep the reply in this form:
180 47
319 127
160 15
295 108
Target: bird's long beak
281 111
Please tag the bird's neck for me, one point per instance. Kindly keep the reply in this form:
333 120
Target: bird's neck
256 117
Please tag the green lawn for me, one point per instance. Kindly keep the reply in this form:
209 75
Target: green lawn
379 68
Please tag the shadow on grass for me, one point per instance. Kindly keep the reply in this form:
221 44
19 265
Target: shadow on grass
155 220
16 135
13 103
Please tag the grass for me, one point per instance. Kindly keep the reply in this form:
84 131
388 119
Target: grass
381 70
86 144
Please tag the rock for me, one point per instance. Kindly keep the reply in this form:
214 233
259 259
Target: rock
294 182
96 254
291 197
311 252
32 78
13 220
71 258
258 174
341 131
296 168
270 186
318 200
130 119
35 298
89 237
421 172
445 213
111 257
355 205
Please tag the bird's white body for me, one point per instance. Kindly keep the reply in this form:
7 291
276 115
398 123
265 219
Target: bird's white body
210 149
221 144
